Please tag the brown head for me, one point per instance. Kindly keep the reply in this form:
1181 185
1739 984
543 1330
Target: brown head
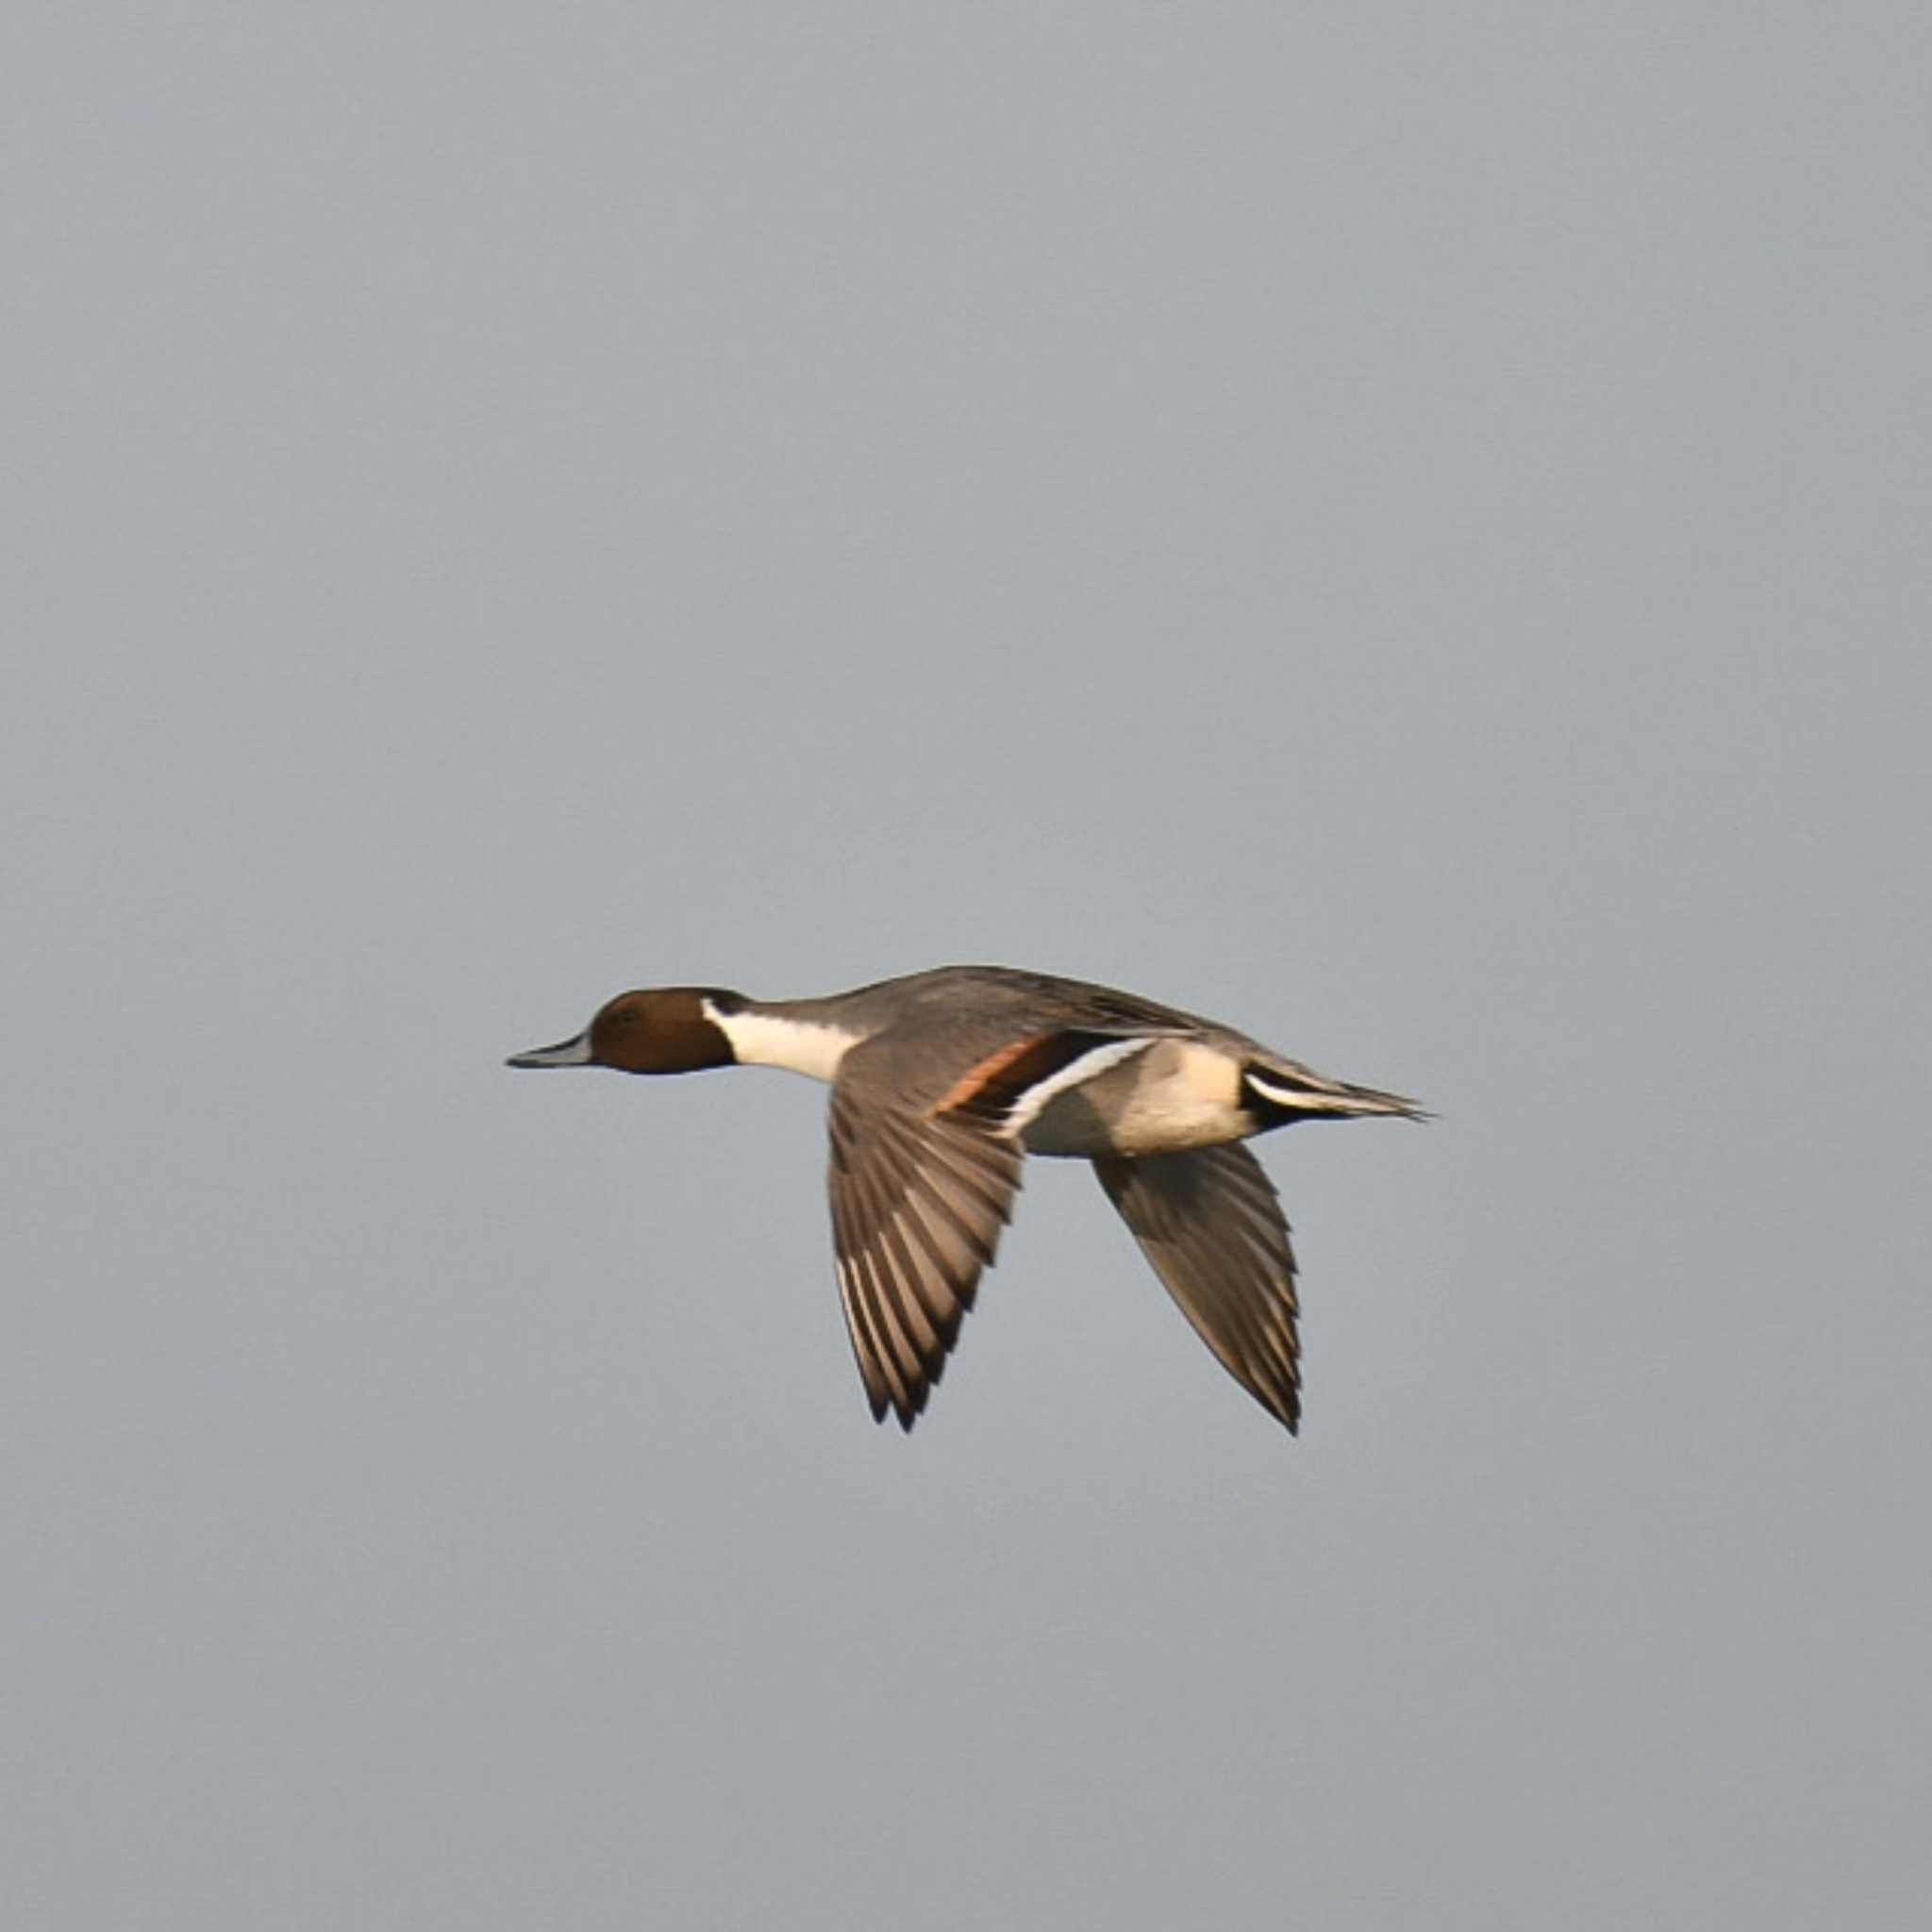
664 1029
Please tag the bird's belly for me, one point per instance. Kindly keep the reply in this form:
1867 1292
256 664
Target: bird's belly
1175 1096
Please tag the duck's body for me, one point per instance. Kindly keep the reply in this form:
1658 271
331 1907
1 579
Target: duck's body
941 1080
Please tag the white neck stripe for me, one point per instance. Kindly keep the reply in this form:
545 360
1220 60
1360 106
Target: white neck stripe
765 1040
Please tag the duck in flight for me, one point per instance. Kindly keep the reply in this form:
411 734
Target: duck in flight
942 1081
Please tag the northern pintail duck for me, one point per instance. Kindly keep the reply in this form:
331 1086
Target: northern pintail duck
941 1081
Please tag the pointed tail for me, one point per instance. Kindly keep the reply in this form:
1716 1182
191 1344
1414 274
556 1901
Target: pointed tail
1282 1092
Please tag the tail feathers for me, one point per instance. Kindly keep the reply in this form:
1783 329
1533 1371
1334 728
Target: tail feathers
1283 1091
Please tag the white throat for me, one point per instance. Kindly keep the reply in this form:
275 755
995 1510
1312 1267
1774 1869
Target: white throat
764 1040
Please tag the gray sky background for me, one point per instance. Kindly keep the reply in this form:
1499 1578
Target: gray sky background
1403 527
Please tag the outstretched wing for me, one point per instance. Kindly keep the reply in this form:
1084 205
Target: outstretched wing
917 1203
1209 1221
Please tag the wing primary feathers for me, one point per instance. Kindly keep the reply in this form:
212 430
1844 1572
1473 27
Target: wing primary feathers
1209 1224
917 1205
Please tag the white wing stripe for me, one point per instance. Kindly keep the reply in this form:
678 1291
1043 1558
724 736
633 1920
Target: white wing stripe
1096 1061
